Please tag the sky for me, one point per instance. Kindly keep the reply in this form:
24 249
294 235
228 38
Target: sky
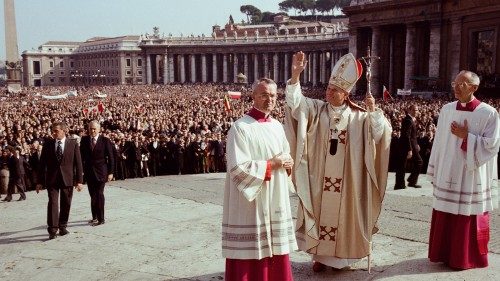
39 21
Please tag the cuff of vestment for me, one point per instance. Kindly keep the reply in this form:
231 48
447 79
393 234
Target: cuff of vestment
267 177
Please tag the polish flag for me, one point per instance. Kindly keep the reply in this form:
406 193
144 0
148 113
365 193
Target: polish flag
386 95
234 95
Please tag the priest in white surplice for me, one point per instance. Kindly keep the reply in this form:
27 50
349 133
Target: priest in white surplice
341 155
257 227
463 170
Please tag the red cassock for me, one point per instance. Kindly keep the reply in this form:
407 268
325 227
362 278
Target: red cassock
459 241
276 268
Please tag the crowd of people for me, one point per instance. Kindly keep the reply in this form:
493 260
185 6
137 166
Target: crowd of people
162 129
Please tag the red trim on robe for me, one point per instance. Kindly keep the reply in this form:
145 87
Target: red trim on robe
259 115
267 177
461 242
470 106
276 268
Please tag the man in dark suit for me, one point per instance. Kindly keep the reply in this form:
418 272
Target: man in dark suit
408 150
154 156
16 164
98 161
60 169
34 159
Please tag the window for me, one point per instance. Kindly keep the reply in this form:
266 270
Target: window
72 64
36 67
51 80
62 73
483 52
128 72
51 64
139 72
62 79
139 62
51 72
128 62
61 64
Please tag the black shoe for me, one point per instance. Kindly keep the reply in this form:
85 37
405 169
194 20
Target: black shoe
93 221
399 187
52 236
415 185
63 232
98 223
7 199
21 198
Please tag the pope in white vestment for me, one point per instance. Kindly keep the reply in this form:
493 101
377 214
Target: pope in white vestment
257 227
341 159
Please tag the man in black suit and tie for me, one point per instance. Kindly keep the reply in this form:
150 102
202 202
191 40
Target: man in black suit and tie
408 150
98 165
16 164
60 169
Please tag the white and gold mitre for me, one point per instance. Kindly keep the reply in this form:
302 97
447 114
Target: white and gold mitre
346 72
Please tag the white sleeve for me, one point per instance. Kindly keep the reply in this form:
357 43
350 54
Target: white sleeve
378 123
481 148
246 173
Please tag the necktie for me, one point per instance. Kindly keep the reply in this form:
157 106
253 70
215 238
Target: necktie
59 153
92 143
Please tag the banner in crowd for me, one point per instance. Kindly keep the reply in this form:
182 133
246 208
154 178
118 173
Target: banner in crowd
101 95
55 97
403 92
72 93
234 95
14 88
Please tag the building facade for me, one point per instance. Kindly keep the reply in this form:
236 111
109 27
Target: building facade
253 51
423 44
97 61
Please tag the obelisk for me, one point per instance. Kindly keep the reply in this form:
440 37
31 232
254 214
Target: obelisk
13 64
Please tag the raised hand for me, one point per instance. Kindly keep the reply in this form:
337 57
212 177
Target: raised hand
298 65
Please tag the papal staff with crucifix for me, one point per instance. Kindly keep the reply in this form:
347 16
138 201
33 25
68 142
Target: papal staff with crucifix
341 154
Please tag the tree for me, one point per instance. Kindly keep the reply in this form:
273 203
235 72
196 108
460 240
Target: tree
268 17
325 6
290 4
252 12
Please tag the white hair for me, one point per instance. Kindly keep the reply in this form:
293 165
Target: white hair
473 77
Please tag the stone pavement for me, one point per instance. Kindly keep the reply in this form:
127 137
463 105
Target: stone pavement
168 228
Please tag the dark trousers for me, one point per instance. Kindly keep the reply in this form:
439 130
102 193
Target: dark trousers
19 183
57 218
416 166
96 191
